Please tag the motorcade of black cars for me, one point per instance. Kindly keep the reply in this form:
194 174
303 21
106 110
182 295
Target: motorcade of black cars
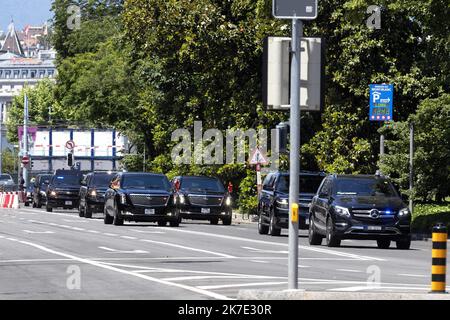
92 193
40 185
140 197
359 207
202 198
273 202
64 190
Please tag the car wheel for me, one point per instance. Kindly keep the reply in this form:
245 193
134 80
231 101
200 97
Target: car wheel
107 219
87 212
214 221
34 205
227 220
174 224
162 223
80 211
314 238
404 244
262 229
48 209
331 238
273 229
383 244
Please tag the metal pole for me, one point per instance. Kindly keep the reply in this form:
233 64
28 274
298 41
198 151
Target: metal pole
297 30
381 145
25 140
411 167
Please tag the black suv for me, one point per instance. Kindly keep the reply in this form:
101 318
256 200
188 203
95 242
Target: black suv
63 190
273 204
202 198
140 197
40 186
359 207
92 193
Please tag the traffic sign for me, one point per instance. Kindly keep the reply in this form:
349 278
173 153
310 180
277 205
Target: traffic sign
70 144
295 9
381 102
25 160
258 157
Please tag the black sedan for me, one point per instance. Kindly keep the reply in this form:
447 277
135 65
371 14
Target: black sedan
202 198
140 197
40 186
92 193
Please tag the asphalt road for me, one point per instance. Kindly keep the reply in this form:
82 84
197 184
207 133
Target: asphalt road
61 256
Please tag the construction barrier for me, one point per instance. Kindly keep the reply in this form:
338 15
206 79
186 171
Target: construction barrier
439 256
9 200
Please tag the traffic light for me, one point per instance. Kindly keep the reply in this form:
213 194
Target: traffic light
282 136
70 160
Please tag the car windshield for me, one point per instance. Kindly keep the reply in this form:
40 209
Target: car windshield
202 184
43 179
66 180
101 180
308 183
145 182
5 177
365 187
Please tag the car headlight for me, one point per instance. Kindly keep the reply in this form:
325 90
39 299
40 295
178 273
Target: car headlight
123 199
182 199
283 203
404 212
228 201
42 193
342 211
53 193
93 193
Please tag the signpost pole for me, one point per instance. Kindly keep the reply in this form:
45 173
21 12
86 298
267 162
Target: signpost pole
25 141
297 30
411 167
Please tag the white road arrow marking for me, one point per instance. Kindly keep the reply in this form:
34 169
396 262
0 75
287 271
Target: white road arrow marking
122 251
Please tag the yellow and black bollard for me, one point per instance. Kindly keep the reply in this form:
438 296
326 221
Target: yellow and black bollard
439 255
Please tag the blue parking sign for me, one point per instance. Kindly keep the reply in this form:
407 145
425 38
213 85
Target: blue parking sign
381 102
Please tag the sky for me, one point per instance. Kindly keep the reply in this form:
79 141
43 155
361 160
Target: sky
33 12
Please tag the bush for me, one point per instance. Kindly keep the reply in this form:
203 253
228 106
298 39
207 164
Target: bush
425 216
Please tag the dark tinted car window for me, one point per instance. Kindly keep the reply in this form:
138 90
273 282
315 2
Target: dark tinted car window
308 184
145 182
5 177
66 180
364 187
100 180
202 184
42 179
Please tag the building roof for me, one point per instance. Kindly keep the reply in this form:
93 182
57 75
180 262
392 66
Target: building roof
12 42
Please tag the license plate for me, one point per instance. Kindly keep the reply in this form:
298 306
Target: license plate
149 211
374 228
68 203
307 222
206 210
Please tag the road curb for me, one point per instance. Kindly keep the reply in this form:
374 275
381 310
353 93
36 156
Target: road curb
321 295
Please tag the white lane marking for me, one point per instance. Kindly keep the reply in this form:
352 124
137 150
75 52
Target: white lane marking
381 287
259 261
110 234
123 251
77 221
128 237
300 266
38 232
148 232
413 275
188 248
93 231
265 251
314 249
77 229
111 268
33 260
216 277
240 285
349 270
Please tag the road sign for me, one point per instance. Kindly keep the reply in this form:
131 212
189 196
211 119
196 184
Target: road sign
25 160
70 144
257 157
295 9
381 102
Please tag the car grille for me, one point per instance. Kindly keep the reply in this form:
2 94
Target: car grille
148 200
205 200
367 213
